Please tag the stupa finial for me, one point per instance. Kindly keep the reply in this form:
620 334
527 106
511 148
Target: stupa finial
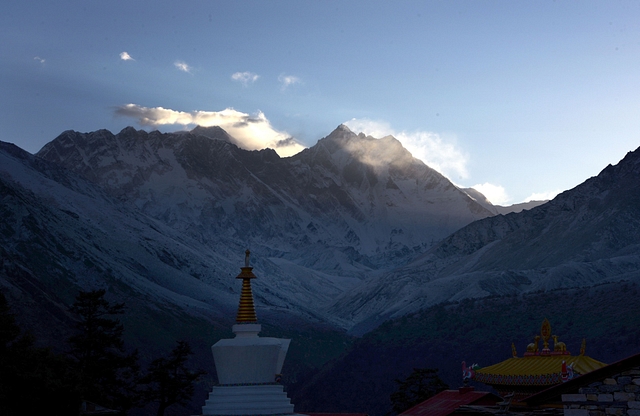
246 309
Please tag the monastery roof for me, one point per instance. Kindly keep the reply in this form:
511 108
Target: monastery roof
547 366
535 370
446 402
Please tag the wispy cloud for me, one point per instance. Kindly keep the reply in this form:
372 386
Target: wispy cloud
182 66
37 58
245 77
251 132
496 194
542 196
126 57
437 152
287 80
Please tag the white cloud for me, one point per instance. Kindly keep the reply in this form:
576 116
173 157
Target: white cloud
438 153
245 77
252 132
288 80
542 196
126 57
182 66
496 194
37 58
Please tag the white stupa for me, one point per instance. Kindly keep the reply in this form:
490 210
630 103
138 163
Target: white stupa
248 366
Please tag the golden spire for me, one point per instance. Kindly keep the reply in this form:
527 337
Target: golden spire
246 309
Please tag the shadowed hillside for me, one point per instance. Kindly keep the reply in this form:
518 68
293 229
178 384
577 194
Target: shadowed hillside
476 331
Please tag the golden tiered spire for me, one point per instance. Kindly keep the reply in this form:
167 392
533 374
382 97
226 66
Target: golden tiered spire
246 309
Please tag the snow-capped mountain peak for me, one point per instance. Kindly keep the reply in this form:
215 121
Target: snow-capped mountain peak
342 210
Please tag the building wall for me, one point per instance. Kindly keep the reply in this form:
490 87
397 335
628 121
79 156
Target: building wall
618 395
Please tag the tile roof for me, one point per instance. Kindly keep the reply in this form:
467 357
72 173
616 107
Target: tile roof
534 370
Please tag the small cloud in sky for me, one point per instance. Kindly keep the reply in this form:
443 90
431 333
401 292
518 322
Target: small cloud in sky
245 77
126 57
182 66
288 80
251 132
37 58
542 196
496 194
438 153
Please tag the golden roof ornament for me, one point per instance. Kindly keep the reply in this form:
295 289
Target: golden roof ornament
246 309
545 333
558 346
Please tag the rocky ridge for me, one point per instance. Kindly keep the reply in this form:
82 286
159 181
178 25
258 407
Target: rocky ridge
585 236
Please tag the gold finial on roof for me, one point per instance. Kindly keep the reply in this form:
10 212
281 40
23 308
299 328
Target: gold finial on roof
545 332
246 309
513 350
583 347
559 346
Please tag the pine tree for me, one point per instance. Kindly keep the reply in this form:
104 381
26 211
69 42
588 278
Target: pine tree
421 384
108 374
169 381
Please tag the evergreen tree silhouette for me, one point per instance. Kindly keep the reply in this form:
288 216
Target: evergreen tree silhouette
108 375
421 384
169 381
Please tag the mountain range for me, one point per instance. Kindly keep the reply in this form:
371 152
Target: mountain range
346 235
349 232
319 223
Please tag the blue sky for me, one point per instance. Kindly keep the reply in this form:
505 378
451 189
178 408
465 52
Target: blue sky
523 98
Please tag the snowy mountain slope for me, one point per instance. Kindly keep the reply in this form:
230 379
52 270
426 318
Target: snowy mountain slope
346 207
585 236
61 233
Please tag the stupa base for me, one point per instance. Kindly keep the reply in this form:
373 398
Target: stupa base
265 399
